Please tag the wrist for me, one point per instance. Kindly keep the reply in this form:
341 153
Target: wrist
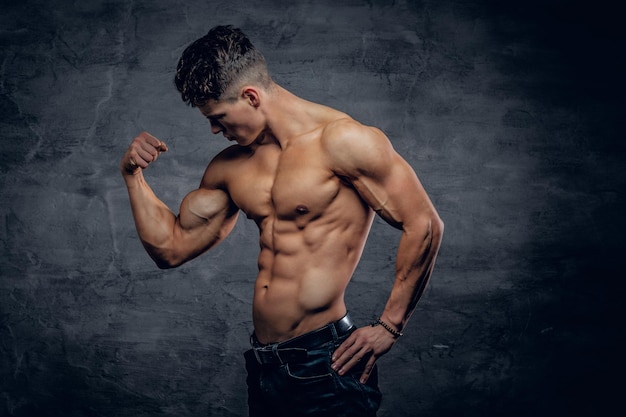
129 173
395 333
132 176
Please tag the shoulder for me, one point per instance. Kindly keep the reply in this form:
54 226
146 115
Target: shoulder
231 154
353 148
220 167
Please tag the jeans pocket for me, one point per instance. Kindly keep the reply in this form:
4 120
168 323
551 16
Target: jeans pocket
308 372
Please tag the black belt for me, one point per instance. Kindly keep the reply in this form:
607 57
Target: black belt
295 350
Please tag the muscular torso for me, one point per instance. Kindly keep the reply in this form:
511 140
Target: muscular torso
312 226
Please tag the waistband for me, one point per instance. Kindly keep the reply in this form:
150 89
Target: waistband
295 350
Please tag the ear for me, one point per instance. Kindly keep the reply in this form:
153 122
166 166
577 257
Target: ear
251 95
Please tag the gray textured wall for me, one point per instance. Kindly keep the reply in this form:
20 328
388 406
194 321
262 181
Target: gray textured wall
511 115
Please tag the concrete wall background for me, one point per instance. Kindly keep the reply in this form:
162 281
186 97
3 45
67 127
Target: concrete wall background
511 115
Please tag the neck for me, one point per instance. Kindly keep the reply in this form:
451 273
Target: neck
288 116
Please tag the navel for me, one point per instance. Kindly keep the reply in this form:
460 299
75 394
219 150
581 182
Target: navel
302 209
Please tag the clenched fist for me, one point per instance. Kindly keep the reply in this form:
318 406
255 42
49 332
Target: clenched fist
144 150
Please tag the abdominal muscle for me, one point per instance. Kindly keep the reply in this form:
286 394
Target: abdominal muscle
303 274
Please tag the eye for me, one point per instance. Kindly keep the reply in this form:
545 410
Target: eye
216 117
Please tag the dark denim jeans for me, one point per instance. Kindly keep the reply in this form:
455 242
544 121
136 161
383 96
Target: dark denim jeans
310 388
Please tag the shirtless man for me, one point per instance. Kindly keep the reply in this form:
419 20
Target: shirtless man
311 178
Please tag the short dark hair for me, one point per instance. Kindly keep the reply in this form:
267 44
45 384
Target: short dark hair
214 64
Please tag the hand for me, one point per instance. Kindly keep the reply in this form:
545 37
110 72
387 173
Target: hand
144 150
365 344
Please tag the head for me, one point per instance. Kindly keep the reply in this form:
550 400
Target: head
216 67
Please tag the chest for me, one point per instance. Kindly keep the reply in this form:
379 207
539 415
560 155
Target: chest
292 183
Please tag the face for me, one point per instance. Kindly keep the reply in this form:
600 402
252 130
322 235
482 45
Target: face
238 119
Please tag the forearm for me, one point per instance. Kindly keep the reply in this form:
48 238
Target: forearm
416 258
417 252
154 221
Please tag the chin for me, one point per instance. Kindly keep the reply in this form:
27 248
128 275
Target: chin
247 141
243 142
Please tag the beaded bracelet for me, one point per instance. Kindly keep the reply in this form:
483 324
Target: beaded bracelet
396 334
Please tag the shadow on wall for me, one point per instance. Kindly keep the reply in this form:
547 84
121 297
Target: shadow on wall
510 114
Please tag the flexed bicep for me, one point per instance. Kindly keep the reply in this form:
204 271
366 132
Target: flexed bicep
206 217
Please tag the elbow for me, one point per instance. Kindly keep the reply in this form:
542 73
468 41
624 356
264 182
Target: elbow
162 264
436 230
428 229
168 262
437 226
162 258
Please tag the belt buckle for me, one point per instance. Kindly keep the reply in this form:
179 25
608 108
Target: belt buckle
260 353
272 349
